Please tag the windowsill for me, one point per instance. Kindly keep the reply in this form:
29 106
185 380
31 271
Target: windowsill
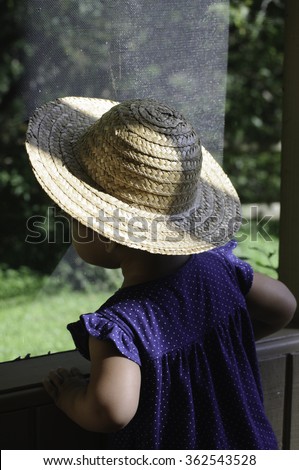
283 342
20 374
27 374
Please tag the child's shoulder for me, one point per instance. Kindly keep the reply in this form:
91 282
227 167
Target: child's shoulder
224 251
217 258
237 268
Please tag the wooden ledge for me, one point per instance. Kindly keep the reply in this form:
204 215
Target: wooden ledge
283 342
19 376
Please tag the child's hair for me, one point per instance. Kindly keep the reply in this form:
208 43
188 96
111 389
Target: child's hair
134 172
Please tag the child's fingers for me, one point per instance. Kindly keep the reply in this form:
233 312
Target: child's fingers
57 377
63 374
76 372
57 381
53 382
50 388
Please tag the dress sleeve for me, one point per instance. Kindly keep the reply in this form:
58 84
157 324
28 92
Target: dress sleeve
103 328
242 269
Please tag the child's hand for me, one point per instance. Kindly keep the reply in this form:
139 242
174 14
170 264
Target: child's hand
108 400
62 383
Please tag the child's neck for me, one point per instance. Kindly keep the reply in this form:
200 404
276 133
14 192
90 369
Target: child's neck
149 267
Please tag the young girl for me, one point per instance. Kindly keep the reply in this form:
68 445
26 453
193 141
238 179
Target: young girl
173 361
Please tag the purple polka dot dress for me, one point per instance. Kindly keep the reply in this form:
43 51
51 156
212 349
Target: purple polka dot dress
192 337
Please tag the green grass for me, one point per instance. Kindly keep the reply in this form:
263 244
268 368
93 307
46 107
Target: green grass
37 324
33 318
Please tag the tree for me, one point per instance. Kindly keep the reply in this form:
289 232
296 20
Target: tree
254 98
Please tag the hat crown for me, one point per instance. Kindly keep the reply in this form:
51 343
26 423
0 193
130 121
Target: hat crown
139 160
144 153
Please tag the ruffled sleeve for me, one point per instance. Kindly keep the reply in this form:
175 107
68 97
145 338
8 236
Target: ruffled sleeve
103 328
243 270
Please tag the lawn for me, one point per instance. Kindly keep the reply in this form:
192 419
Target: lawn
36 324
33 320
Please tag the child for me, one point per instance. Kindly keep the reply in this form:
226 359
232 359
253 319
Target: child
173 361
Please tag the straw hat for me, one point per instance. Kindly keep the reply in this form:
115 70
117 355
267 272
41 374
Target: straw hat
134 172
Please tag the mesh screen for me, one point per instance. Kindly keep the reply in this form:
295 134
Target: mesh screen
170 50
120 49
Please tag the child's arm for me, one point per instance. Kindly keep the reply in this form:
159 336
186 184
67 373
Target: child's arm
271 305
109 400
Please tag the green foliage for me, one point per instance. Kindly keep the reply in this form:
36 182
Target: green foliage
20 196
74 274
70 275
254 98
21 282
260 250
72 30
256 176
255 66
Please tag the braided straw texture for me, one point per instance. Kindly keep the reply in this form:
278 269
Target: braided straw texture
134 172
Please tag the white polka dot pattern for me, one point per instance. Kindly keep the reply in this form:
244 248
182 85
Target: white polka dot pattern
191 334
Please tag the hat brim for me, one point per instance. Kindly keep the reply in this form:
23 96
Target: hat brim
52 134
